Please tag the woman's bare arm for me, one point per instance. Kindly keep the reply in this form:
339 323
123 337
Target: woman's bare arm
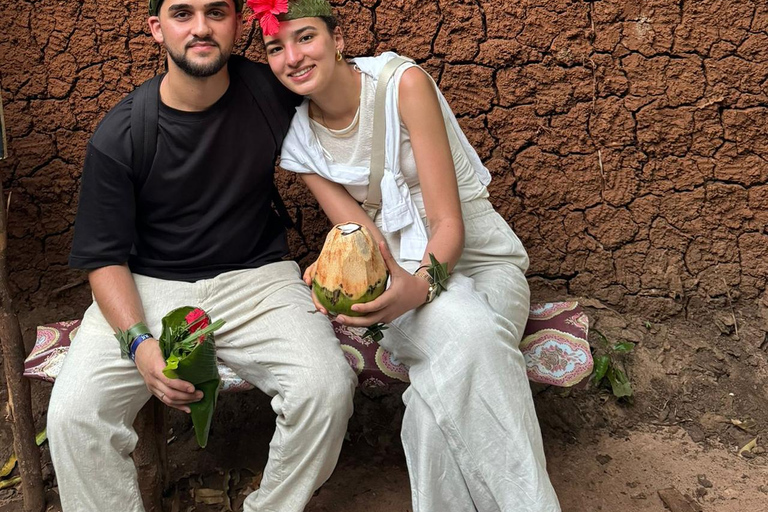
421 114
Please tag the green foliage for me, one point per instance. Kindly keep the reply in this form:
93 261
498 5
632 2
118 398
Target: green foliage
374 332
191 356
619 382
608 370
439 273
177 343
623 347
600 369
40 438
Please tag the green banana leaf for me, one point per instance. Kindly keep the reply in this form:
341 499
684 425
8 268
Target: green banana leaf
197 367
202 411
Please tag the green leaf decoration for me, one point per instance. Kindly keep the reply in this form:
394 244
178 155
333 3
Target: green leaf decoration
188 359
125 343
198 366
619 383
171 365
374 332
306 9
202 411
439 273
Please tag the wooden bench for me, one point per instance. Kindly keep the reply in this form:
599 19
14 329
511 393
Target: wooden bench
554 345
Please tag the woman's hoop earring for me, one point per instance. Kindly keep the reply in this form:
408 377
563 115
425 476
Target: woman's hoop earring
339 56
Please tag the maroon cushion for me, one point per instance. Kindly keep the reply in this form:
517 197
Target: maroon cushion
554 345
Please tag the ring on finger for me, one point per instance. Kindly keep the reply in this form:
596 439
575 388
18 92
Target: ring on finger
162 396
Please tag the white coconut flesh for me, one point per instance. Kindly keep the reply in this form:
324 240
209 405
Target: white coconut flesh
349 228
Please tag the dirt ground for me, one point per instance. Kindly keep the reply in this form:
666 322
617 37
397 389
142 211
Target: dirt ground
694 378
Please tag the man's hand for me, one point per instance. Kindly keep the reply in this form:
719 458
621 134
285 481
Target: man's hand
174 393
309 275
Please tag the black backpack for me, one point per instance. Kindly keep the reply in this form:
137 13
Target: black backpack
145 111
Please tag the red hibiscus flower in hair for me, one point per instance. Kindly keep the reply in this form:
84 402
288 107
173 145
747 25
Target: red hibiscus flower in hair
266 12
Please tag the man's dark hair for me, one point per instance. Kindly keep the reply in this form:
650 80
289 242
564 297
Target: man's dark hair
154 6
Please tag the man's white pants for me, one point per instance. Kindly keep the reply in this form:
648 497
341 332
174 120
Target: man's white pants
470 432
271 339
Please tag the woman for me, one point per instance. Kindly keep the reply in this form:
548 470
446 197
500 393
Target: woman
470 432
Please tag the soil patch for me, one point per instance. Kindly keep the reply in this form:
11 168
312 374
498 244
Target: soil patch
699 397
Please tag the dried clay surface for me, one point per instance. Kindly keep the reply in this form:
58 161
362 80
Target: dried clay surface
629 151
627 140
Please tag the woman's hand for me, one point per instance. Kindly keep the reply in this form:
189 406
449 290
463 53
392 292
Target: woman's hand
405 292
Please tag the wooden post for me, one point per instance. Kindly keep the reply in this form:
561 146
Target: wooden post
151 453
19 395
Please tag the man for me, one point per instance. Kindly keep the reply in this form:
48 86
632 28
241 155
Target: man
197 230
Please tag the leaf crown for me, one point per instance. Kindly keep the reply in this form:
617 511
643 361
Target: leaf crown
306 9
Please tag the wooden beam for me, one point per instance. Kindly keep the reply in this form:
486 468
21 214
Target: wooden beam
150 455
19 395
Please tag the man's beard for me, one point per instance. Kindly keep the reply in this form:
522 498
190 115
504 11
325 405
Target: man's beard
199 70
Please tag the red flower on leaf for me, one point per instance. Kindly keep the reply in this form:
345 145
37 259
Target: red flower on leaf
266 12
196 320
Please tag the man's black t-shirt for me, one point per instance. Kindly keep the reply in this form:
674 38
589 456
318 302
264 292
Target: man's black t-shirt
205 206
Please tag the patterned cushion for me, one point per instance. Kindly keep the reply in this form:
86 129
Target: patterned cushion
554 345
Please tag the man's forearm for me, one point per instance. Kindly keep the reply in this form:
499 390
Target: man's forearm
115 292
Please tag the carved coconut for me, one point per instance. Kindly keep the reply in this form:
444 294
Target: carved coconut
350 269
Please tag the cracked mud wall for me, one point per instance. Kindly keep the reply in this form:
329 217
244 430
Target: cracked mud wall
628 140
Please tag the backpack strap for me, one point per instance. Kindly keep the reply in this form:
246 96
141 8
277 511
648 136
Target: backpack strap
372 202
263 92
145 111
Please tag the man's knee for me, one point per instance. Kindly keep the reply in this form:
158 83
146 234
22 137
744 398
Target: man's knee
66 413
59 415
337 392
76 406
327 395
